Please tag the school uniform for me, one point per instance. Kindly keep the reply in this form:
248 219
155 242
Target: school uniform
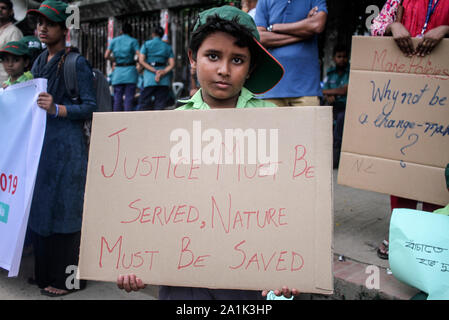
57 204
155 95
125 76
23 78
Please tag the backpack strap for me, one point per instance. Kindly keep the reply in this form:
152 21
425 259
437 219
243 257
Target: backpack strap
70 77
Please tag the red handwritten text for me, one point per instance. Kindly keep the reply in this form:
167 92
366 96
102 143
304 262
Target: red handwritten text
187 258
281 260
146 165
246 219
301 166
163 215
414 65
126 260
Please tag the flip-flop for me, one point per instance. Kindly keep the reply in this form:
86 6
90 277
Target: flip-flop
383 254
55 295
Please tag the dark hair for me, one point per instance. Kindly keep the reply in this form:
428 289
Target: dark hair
8 3
127 28
341 48
159 31
244 38
62 24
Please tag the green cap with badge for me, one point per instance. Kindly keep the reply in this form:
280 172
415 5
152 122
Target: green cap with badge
53 10
268 72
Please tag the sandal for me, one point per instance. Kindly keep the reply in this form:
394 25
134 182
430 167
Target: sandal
54 294
383 252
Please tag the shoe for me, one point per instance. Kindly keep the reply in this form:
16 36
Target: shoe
383 252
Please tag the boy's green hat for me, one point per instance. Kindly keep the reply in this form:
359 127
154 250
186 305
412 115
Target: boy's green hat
268 72
53 10
16 48
32 43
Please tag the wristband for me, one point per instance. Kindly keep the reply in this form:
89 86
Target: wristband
57 111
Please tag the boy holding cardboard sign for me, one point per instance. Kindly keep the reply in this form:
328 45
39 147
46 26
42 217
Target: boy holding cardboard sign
231 65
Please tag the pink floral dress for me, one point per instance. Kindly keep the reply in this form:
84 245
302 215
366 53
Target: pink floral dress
386 16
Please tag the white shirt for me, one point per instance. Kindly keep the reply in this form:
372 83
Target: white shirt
252 13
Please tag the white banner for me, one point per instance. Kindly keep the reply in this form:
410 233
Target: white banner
22 129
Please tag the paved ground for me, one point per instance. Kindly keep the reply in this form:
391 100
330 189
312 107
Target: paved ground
361 220
19 289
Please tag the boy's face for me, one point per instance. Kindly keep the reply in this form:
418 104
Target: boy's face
341 59
14 65
49 32
222 69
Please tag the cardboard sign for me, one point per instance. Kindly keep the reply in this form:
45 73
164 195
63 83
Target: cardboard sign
237 198
396 134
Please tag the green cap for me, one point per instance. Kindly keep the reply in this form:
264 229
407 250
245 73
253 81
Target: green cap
52 10
32 43
268 71
16 48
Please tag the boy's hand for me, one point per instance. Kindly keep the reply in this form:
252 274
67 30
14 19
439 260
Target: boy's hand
4 86
130 282
285 291
45 101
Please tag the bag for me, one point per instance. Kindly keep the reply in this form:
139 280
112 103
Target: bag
101 85
101 88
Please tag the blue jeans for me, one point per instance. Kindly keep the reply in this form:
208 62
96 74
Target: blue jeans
128 90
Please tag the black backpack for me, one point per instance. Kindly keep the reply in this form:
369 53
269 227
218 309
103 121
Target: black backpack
101 84
101 87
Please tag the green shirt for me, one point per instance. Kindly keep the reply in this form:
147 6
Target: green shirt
335 80
24 77
156 50
246 100
124 49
